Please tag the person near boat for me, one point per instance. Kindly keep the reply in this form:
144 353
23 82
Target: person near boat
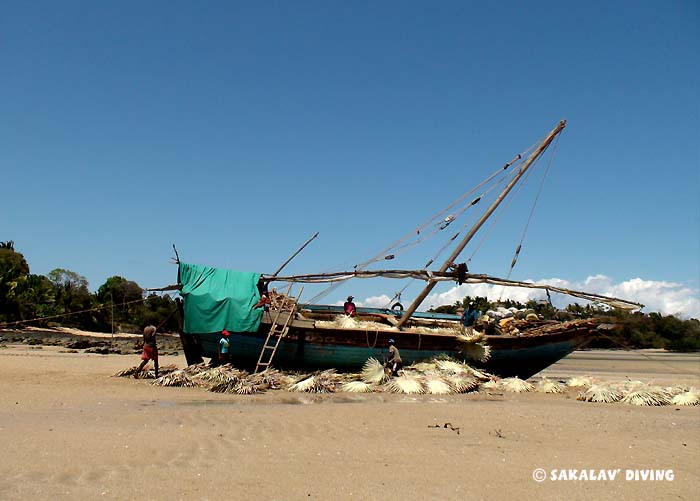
224 347
150 348
393 358
263 302
349 307
469 318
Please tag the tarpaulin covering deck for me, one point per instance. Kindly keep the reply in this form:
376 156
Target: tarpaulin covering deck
216 299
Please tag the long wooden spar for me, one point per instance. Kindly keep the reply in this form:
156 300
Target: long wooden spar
469 278
450 260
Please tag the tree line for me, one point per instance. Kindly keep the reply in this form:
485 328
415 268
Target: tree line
633 330
61 297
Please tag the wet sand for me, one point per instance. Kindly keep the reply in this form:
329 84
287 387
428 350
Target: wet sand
69 430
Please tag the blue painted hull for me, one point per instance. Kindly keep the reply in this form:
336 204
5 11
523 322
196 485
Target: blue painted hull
347 350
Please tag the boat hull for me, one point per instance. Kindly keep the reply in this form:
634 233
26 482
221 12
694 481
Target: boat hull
310 348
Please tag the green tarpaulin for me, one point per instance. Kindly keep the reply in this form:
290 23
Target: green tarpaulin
216 299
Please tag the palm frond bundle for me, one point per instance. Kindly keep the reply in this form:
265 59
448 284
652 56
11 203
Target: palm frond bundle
516 385
600 393
322 382
357 387
491 384
176 378
479 352
690 397
579 382
651 396
549 386
406 383
462 383
126 372
373 372
435 385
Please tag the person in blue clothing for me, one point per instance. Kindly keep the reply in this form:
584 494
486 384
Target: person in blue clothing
224 347
469 318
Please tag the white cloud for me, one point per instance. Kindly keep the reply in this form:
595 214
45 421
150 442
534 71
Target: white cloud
668 298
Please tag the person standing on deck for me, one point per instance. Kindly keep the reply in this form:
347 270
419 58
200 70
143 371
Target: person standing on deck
264 301
469 319
393 359
349 307
150 349
224 347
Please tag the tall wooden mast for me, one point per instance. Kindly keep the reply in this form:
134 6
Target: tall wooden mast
450 260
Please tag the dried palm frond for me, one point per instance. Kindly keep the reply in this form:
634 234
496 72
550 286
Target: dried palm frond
462 383
676 390
474 338
248 387
373 372
548 386
177 378
357 387
423 367
690 397
406 383
305 384
322 382
451 366
270 377
516 385
579 382
126 372
600 393
227 386
436 385
651 396
491 384
479 352
221 374
196 368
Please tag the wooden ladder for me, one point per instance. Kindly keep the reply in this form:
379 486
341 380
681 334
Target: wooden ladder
278 329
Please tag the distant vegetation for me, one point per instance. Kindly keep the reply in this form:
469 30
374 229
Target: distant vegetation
62 297
635 330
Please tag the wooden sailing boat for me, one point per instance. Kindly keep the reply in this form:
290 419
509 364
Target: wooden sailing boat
297 336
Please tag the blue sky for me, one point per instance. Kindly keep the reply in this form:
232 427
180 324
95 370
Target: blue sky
237 130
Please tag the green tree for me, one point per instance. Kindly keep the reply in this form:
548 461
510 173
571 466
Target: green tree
72 295
13 272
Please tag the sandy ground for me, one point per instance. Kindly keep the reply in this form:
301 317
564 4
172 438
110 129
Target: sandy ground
68 430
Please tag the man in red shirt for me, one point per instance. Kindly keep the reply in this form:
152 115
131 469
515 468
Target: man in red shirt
349 307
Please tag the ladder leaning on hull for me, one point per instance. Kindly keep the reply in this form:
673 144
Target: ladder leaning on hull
278 329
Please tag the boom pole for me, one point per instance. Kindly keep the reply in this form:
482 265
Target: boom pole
294 255
450 260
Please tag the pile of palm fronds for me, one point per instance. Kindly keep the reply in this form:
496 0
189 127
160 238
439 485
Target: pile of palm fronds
690 397
437 385
650 396
320 382
176 378
221 374
357 387
127 372
145 374
549 386
601 393
406 383
491 385
516 385
580 382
